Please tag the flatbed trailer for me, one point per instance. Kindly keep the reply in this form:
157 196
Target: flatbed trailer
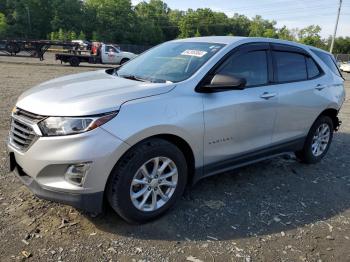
32 48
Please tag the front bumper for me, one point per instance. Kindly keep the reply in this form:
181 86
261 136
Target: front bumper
43 166
90 202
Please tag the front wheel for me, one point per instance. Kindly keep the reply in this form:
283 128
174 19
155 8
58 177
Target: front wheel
147 181
318 141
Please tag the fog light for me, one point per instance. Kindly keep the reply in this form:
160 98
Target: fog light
75 173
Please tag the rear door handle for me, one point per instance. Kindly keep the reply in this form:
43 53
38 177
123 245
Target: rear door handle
320 87
267 95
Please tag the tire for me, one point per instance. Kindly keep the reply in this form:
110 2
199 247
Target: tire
120 190
124 60
74 61
307 154
13 48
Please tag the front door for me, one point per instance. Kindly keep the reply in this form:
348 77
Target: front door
241 121
110 55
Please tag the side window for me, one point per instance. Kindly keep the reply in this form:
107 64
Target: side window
251 66
109 48
312 68
290 66
328 60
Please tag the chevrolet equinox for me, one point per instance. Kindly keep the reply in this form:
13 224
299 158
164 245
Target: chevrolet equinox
135 136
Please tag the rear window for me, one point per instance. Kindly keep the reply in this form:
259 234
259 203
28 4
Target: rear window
328 60
290 66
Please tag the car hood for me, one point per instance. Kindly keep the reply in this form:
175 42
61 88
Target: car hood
86 94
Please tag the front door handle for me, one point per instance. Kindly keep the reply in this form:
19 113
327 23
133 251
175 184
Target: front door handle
320 87
267 95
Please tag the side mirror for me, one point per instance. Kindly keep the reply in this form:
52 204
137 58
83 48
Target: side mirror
221 82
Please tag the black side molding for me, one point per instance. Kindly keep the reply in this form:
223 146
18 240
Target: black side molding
245 159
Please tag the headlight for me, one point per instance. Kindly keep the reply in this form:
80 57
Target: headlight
61 126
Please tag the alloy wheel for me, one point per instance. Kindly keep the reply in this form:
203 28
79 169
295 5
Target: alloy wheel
153 184
320 140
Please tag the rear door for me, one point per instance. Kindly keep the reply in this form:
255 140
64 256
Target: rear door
239 121
301 86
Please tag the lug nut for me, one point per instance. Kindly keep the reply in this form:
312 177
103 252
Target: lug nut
149 188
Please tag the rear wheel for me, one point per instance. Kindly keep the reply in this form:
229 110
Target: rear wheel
13 48
74 61
318 141
147 181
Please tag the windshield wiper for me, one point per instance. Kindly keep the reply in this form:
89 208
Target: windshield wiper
133 77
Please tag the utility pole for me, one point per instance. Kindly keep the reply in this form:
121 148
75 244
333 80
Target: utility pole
336 26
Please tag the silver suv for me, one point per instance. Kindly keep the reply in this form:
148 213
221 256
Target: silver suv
135 136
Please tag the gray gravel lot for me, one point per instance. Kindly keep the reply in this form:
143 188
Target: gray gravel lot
277 210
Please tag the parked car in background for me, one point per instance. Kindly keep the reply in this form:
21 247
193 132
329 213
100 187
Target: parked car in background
345 67
137 135
84 45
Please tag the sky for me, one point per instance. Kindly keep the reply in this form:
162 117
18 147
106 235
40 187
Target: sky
292 13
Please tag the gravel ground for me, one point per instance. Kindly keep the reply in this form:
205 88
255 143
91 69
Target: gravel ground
277 210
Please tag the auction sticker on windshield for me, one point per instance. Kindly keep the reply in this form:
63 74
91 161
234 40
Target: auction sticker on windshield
197 53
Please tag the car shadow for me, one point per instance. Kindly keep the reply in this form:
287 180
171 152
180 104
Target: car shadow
268 197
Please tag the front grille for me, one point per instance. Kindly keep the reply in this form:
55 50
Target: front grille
22 134
27 115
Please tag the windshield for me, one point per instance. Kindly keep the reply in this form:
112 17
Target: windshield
172 61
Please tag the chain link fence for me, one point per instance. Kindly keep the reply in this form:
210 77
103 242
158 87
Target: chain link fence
342 57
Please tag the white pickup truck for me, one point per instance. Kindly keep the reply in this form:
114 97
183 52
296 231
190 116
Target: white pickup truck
107 54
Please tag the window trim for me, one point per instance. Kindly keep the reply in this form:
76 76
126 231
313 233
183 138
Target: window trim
272 68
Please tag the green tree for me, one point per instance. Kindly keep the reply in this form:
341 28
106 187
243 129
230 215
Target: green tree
341 45
239 25
82 36
67 14
152 21
285 34
28 19
52 36
115 19
94 36
205 21
197 34
174 19
311 36
149 22
61 35
72 35
3 24
261 27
